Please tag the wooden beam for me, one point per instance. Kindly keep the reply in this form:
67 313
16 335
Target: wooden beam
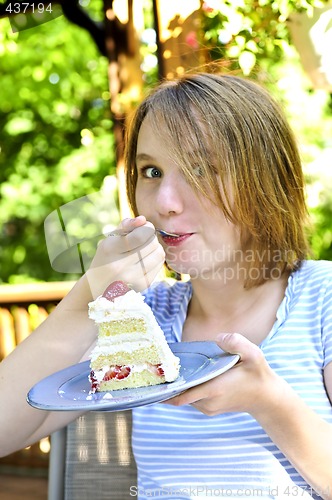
34 292
178 25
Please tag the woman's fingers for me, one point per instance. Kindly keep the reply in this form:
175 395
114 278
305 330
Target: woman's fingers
135 257
238 388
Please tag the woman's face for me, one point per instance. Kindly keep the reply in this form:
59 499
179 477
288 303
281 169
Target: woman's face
207 245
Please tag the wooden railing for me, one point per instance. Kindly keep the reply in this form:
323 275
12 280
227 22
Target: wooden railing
22 309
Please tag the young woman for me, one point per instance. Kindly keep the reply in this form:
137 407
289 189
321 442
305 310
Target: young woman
212 160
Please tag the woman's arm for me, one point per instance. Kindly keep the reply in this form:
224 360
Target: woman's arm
68 334
252 386
59 341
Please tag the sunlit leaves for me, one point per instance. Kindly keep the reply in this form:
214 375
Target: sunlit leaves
244 32
54 96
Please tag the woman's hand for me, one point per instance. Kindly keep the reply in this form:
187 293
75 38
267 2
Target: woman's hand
135 258
247 387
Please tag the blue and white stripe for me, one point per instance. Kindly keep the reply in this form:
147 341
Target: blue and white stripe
184 454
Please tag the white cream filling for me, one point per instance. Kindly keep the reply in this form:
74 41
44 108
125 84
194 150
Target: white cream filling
170 371
107 349
124 338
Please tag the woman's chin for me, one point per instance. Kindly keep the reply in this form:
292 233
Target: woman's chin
191 272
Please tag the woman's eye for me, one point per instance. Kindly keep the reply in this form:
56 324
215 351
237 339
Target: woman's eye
151 172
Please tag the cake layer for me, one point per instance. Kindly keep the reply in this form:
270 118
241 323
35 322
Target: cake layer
111 346
148 354
144 377
126 325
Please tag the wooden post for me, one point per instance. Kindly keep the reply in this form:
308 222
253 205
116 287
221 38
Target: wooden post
178 25
125 76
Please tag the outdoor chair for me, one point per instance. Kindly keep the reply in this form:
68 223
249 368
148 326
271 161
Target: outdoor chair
92 458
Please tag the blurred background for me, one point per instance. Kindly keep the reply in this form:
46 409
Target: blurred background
71 71
69 77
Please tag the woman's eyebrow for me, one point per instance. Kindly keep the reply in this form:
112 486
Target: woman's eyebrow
144 157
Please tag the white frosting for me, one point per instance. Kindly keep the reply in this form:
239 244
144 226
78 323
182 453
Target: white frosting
130 305
107 348
171 369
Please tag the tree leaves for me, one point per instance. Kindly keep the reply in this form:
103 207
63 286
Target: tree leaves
54 94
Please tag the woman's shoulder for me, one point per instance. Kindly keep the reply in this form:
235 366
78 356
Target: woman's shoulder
315 269
313 277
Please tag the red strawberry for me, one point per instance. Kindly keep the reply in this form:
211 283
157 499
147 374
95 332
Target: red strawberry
115 289
123 373
118 372
93 381
158 370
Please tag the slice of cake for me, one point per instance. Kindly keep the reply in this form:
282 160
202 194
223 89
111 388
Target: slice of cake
131 349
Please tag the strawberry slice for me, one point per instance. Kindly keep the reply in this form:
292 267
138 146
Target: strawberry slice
93 381
158 370
117 372
115 289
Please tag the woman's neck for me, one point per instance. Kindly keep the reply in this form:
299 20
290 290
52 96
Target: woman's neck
231 308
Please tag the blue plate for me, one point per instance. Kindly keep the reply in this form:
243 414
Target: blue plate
69 389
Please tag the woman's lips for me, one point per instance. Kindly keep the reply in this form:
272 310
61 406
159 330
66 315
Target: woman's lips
176 240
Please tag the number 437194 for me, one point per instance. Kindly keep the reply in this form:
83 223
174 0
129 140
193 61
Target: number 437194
28 7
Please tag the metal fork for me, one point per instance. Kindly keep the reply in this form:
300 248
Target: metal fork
122 232
165 233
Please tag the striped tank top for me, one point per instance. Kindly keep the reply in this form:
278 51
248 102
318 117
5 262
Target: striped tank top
184 454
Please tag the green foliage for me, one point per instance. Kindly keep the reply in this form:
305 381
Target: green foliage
245 32
56 140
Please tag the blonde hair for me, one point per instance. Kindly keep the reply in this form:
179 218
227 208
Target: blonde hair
248 158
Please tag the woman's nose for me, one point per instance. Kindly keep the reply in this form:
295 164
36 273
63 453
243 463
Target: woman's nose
170 199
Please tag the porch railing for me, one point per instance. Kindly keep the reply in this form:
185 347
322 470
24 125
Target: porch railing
22 309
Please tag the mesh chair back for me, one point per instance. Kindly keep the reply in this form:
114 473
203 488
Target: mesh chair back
99 459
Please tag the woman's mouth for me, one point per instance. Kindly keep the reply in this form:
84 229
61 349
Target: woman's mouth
173 239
